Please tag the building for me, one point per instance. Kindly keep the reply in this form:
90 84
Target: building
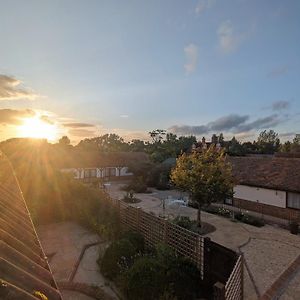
267 185
104 166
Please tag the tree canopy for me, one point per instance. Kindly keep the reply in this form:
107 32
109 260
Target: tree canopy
206 176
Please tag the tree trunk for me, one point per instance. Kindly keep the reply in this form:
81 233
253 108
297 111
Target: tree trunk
199 216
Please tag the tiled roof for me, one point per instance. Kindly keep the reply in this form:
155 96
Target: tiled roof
24 271
274 173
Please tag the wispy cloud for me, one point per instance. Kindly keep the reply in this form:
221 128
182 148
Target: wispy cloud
124 116
14 116
191 53
228 122
10 90
228 38
231 123
278 71
78 132
77 125
203 5
280 105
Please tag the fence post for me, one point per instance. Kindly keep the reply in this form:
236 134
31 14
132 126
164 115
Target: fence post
165 231
138 218
219 291
207 262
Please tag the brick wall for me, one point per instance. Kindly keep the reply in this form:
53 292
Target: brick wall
279 212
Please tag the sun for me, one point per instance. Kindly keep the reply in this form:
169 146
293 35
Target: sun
37 128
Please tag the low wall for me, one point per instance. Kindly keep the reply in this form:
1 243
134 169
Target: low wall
264 209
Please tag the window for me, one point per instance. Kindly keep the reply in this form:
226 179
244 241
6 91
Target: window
86 173
228 201
293 200
93 173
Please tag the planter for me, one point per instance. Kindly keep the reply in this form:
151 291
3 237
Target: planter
294 228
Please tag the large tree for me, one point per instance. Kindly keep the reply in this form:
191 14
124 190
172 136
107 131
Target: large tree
206 176
268 142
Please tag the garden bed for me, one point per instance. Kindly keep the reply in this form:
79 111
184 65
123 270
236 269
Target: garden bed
235 216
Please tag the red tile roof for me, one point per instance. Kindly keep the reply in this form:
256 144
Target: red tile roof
24 270
268 172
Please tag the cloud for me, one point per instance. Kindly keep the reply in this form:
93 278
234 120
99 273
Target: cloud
260 123
9 89
77 125
228 122
46 119
287 134
232 123
124 116
280 105
186 129
191 53
228 39
278 71
82 132
14 117
203 5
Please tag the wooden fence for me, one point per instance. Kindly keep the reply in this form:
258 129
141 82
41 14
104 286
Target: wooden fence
198 249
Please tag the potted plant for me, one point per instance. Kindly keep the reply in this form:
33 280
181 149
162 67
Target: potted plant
294 227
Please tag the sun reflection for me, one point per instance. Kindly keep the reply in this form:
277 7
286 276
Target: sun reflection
37 128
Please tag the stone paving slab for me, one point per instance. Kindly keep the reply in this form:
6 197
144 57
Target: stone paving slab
88 270
65 240
72 295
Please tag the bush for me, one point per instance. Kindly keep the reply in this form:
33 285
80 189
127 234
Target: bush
144 280
136 239
117 258
182 277
137 185
247 219
184 222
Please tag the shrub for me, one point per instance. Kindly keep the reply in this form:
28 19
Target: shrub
136 239
184 222
137 185
248 219
144 280
182 277
117 258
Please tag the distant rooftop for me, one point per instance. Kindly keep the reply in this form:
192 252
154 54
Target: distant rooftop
269 172
24 270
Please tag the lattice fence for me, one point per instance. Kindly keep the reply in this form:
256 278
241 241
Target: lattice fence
234 285
184 242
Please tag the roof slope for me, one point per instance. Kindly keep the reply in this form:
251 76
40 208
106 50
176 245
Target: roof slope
274 173
24 271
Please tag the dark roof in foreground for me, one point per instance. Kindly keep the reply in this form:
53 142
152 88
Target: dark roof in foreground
24 271
272 172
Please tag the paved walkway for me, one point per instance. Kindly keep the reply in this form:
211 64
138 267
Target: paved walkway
72 252
268 251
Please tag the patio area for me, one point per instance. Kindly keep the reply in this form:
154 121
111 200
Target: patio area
268 251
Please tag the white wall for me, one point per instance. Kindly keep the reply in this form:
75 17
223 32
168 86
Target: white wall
265 196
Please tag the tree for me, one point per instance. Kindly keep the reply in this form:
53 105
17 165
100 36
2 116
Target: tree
235 148
295 147
268 142
64 141
286 147
157 135
206 176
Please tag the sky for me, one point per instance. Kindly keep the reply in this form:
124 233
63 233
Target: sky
90 67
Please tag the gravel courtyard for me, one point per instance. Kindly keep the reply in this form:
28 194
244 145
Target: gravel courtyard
268 251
